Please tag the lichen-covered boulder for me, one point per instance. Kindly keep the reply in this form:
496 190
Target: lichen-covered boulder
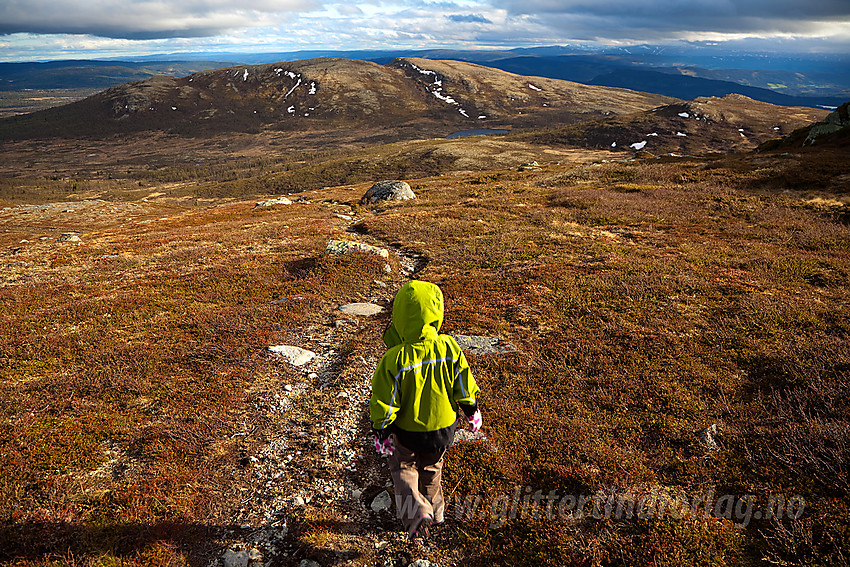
388 191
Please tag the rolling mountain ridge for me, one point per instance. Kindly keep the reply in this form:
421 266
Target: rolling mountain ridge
414 98
437 96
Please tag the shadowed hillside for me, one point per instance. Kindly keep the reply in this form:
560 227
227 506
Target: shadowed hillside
703 125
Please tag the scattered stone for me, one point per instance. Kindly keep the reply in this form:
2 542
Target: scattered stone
298 501
347 247
361 309
466 436
423 563
530 166
69 237
707 437
308 563
388 191
312 376
643 154
356 494
379 283
483 345
255 555
296 356
388 269
381 544
273 202
342 395
381 503
288 387
235 558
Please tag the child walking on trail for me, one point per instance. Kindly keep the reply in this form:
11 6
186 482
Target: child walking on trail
417 388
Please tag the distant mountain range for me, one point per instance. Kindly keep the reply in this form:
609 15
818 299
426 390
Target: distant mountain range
92 74
785 80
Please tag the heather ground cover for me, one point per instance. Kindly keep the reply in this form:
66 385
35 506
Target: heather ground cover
681 346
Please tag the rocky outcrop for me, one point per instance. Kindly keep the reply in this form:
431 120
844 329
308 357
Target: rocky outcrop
348 247
272 202
481 345
835 122
708 437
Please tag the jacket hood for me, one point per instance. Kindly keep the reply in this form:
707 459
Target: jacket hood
417 314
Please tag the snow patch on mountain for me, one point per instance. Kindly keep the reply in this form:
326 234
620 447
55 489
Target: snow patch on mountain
436 88
297 84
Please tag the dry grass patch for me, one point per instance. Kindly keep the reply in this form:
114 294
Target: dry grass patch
125 369
651 301
648 302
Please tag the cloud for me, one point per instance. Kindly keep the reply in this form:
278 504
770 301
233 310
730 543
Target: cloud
142 19
681 19
42 29
468 19
349 10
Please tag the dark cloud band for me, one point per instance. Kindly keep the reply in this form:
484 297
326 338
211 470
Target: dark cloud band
653 20
135 19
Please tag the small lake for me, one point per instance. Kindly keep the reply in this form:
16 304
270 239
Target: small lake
476 132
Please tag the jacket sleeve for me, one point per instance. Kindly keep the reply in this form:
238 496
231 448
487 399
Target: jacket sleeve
464 389
386 398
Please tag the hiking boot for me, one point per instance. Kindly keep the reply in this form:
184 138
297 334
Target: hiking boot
422 527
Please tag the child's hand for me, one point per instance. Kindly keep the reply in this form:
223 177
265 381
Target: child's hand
475 421
385 447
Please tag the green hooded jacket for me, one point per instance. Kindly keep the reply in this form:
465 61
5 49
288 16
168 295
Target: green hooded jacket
424 375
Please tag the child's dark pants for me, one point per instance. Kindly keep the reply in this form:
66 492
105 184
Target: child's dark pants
418 491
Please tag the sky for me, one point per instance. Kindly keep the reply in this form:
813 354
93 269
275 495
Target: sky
40 30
